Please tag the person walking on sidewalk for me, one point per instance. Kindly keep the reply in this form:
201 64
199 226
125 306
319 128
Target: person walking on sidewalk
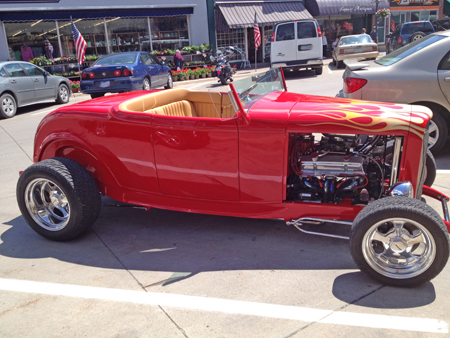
324 45
178 60
374 35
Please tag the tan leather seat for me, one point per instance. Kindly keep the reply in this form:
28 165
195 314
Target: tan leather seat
181 108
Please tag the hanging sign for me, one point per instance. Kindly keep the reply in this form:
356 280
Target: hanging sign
425 4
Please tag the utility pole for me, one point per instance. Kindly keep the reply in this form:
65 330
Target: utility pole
376 19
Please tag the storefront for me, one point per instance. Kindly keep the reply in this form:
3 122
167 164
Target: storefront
43 28
235 20
408 10
346 17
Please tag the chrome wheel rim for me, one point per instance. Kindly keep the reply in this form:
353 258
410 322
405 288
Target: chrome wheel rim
47 204
64 93
146 84
8 106
399 248
433 131
417 37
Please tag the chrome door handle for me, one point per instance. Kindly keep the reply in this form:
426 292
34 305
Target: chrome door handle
13 81
36 80
447 79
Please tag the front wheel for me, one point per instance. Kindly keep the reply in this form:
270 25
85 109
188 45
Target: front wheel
399 241
438 132
146 85
169 81
58 198
63 94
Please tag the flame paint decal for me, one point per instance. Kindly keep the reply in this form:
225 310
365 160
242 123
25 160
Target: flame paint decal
365 116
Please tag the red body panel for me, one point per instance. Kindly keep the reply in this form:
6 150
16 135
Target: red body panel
234 167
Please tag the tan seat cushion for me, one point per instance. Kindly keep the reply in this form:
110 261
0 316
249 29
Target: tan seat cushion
181 108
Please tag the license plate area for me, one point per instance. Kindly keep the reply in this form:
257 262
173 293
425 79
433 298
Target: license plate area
104 84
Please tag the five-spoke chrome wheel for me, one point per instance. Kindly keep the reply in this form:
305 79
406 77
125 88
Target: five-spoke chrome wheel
47 204
399 248
8 106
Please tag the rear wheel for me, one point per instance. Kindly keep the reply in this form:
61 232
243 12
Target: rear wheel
95 95
63 94
399 241
417 36
58 198
223 80
8 106
319 71
438 131
147 84
169 81
340 64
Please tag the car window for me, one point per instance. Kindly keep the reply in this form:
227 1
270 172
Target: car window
32 70
409 49
306 30
14 70
352 40
3 73
445 62
425 27
285 32
145 58
153 59
116 59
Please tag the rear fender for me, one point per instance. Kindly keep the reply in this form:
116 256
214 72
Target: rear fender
433 193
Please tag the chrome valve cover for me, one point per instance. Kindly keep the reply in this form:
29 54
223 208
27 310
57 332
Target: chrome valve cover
331 164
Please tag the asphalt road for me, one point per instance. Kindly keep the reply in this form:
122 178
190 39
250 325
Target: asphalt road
160 273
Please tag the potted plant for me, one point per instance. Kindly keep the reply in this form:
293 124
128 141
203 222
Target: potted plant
383 12
75 86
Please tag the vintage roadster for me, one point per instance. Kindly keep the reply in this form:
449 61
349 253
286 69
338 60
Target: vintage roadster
257 151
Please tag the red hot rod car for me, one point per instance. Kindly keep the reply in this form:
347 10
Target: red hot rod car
257 151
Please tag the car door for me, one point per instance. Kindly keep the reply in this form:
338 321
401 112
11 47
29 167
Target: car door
284 48
44 86
156 64
150 69
444 76
309 45
20 83
196 157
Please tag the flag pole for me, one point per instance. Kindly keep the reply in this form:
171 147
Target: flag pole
79 69
255 59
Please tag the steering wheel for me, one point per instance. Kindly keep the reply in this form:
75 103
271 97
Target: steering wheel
247 91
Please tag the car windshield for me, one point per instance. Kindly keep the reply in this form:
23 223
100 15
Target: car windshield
253 87
116 59
409 49
353 40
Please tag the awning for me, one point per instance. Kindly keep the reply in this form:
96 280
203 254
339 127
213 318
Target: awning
342 7
242 15
93 14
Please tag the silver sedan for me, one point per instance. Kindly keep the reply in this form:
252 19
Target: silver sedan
22 84
418 73
359 46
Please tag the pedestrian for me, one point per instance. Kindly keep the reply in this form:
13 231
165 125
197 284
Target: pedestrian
374 35
363 31
324 45
178 60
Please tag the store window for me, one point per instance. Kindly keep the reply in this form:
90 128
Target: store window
231 37
169 32
93 32
128 34
32 39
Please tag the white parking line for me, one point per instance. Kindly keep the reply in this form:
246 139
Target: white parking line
45 111
229 306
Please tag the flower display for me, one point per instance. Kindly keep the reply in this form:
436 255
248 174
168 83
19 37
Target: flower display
383 12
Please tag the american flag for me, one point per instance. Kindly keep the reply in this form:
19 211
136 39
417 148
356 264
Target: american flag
392 25
80 44
257 33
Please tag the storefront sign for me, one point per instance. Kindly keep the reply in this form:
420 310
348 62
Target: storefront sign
414 3
356 10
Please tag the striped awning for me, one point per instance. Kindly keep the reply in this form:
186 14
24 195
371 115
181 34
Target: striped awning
242 15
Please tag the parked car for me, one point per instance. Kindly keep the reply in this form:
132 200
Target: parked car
359 46
417 73
256 151
124 72
441 24
296 45
408 32
22 84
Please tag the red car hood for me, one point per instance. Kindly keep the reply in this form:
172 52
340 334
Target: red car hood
339 115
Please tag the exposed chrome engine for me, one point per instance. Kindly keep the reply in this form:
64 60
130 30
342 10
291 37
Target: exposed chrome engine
338 167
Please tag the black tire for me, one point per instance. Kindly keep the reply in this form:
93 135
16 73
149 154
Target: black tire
438 131
63 95
430 169
378 251
8 106
223 80
95 95
169 81
319 71
416 36
71 198
334 62
340 64
146 84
